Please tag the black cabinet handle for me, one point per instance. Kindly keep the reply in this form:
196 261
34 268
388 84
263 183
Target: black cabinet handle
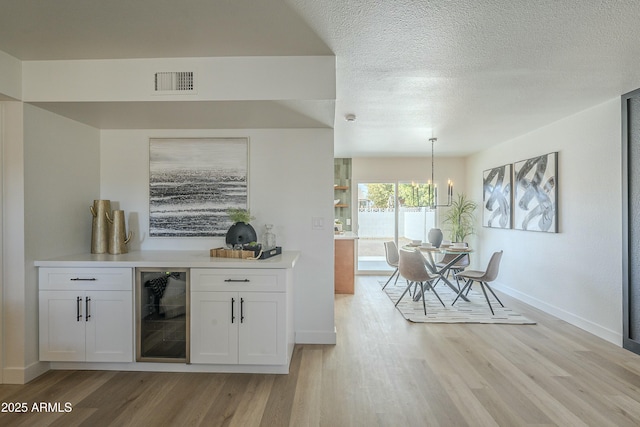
233 317
87 315
91 279
78 314
237 280
241 310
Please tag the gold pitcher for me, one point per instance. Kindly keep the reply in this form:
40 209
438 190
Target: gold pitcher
117 232
99 228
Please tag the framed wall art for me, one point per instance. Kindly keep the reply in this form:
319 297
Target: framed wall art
193 182
496 197
536 194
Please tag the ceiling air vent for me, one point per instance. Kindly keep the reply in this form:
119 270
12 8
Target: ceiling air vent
174 82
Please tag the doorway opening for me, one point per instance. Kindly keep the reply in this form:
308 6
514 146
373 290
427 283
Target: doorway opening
390 211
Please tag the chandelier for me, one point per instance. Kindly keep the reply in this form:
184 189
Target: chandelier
432 188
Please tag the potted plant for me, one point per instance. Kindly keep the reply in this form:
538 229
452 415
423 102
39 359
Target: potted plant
241 232
255 247
460 218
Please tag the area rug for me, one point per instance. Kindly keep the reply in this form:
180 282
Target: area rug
474 311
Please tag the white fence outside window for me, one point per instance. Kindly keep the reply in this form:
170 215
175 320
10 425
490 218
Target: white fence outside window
413 223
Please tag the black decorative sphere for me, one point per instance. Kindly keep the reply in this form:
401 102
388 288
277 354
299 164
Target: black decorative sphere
241 233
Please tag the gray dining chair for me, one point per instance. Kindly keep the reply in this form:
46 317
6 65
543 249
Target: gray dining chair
455 268
391 252
412 267
482 277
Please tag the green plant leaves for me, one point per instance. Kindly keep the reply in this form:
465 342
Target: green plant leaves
460 218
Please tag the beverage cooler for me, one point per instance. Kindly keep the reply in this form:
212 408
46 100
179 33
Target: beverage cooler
162 315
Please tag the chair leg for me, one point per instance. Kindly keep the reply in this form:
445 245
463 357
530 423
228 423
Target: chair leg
455 276
391 277
436 282
486 297
416 295
430 286
424 304
405 291
468 289
466 286
493 293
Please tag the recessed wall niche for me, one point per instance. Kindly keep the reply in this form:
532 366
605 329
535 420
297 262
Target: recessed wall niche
342 192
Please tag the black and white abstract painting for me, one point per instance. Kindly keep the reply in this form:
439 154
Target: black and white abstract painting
193 182
536 194
496 197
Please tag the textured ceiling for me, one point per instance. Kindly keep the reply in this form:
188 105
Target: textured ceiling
471 72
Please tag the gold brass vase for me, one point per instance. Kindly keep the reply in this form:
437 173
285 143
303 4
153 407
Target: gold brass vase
118 238
99 227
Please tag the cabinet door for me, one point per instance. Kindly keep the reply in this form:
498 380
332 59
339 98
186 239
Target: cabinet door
62 326
109 326
214 327
262 335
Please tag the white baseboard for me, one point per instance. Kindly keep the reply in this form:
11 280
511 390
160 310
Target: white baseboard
582 323
170 367
20 375
316 337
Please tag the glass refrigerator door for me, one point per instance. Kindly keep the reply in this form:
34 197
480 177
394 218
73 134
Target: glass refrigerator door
163 315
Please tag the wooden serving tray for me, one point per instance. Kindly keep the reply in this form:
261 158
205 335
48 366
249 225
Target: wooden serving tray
231 253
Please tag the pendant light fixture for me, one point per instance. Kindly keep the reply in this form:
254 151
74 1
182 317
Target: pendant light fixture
432 188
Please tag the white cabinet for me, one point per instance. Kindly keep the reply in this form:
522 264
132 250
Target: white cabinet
240 317
86 314
262 329
238 313
214 327
62 328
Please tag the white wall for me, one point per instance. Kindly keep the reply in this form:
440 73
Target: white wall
11 208
10 77
290 181
230 78
574 274
60 178
13 270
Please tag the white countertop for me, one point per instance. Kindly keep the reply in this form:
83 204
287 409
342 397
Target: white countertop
346 235
176 259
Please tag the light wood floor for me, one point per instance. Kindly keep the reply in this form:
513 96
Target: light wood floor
384 371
